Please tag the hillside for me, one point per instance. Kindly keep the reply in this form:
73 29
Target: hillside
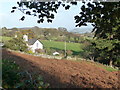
64 73
4 39
56 34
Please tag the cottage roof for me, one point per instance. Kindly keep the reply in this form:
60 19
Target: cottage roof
32 41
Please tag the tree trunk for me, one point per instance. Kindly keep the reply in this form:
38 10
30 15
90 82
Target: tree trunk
92 58
111 62
111 59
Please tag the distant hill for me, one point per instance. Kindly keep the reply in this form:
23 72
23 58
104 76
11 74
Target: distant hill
55 34
81 30
24 28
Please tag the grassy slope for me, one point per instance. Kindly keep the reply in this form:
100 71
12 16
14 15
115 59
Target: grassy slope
61 45
4 38
108 68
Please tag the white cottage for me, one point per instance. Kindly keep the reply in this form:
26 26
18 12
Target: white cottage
33 44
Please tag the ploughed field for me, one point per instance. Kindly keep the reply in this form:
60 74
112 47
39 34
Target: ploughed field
65 73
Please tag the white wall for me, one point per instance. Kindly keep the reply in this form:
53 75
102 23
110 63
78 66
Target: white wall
36 45
25 37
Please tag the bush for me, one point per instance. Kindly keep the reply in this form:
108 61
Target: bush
102 50
16 44
89 50
117 62
40 51
30 52
69 52
13 77
10 76
49 51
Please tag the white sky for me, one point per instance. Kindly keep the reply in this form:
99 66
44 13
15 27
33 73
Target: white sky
64 18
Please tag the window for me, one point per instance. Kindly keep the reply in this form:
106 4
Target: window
37 45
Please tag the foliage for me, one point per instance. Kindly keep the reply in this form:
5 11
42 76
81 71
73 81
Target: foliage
29 32
59 34
40 51
29 82
4 38
117 62
99 50
16 44
30 52
108 49
10 76
40 9
13 77
89 50
69 52
49 50
105 18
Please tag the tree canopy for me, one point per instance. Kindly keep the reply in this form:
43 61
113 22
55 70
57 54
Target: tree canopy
40 9
105 18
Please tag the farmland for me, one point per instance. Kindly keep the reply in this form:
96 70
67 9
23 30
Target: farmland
61 45
64 73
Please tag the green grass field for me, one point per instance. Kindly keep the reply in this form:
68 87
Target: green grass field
4 38
108 68
61 45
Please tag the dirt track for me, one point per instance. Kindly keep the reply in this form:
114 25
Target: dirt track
64 73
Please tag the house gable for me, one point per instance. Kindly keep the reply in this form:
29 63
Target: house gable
36 45
33 44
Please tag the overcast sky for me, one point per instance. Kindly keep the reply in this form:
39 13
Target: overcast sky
64 18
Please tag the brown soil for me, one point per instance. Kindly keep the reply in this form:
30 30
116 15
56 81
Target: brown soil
65 73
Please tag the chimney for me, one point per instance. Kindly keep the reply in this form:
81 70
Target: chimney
15 36
25 37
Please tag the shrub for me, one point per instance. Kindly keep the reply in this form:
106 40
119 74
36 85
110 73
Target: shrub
40 51
89 50
30 52
13 77
69 52
117 62
10 76
49 51
16 44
